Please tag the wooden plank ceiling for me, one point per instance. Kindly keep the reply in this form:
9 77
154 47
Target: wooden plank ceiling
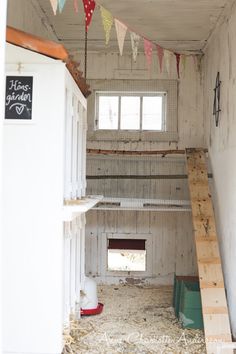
181 25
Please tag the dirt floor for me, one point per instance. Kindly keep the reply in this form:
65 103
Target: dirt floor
135 319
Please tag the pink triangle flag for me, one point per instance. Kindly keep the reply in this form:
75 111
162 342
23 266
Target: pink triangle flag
76 6
160 54
148 51
121 30
54 4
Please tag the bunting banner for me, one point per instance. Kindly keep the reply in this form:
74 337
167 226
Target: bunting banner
148 46
177 57
76 6
107 21
121 30
167 58
61 4
89 6
160 54
54 4
135 39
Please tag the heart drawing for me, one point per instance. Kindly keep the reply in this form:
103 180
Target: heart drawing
20 109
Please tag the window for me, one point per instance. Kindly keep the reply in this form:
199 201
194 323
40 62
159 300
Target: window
135 111
126 255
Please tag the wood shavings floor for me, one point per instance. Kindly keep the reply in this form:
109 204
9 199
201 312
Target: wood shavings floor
135 319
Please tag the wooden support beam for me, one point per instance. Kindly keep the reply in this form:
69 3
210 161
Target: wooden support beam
141 176
162 153
214 303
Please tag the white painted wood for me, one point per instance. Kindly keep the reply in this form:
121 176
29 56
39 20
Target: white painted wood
68 146
66 276
76 207
82 250
3 10
73 296
220 55
38 262
172 248
116 204
77 271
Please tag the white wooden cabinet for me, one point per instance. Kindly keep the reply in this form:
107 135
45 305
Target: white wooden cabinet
43 164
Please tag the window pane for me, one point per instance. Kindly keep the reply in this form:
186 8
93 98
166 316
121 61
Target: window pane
130 113
108 112
152 113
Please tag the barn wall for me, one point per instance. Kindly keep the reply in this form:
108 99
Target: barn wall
27 16
112 67
170 233
221 56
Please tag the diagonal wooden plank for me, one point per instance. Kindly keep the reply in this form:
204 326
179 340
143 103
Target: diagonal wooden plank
214 303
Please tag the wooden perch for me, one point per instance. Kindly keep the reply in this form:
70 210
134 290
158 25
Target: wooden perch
163 153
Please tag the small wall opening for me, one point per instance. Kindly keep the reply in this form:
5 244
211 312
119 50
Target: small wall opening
126 255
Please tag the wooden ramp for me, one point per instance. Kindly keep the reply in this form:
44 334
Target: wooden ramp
214 304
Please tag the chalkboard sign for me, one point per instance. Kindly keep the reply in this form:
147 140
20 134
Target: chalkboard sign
19 96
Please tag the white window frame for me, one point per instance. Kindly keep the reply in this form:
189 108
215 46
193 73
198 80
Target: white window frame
141 95
171 127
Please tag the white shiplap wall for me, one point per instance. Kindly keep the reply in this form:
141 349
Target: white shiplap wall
174 228
171 236
220 56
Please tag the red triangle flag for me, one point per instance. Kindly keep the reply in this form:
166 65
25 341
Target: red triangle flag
177 56
89 6
160 54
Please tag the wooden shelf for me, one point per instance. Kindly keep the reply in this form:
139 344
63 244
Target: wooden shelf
142 204
73 207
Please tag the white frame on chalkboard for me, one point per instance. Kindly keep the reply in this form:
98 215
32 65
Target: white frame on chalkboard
23 121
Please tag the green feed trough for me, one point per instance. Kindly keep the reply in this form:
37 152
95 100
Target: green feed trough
187 301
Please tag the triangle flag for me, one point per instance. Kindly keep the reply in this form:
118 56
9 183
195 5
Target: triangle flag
76 6
107 20
135 38
54 4
167 57
89 6
121 30
61 4
148 52
160 54
177 57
